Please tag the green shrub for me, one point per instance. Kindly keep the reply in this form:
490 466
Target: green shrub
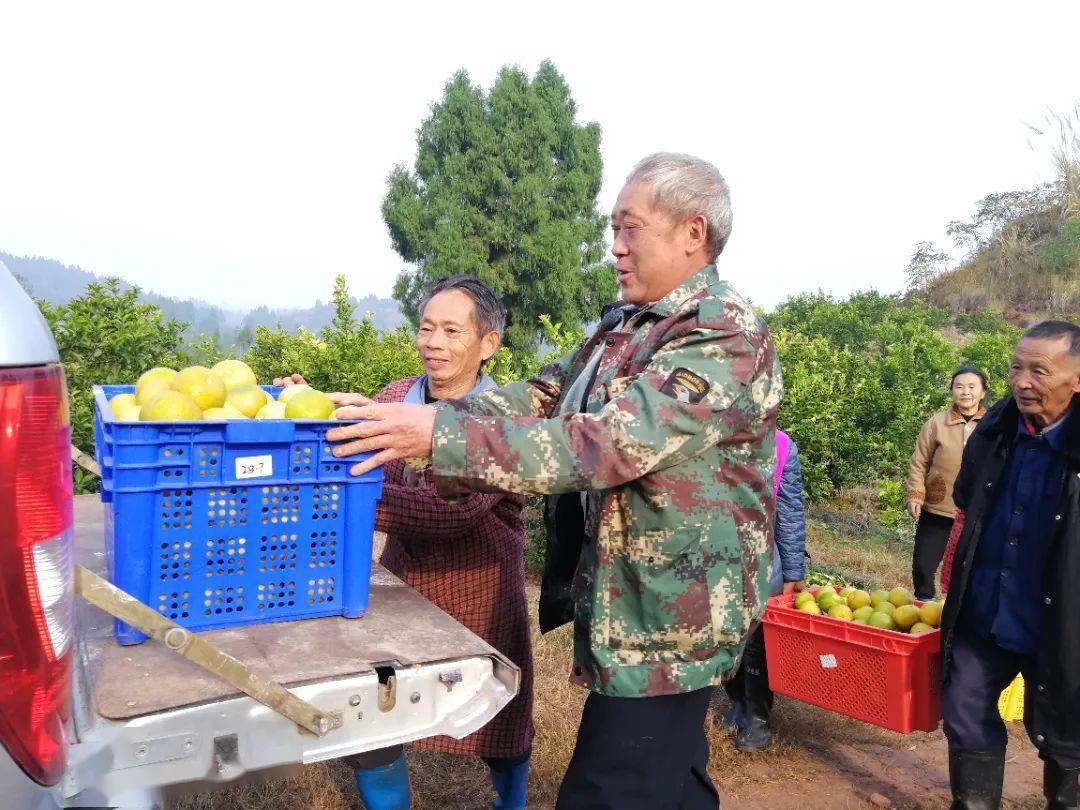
1060 255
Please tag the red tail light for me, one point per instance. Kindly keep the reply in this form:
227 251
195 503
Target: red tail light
36 573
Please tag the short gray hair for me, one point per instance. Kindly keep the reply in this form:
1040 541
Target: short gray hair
1057 330
686 186
488 311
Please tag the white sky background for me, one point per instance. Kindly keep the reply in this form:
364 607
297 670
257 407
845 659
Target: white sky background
238 153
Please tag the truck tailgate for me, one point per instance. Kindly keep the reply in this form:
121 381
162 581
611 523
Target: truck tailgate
144 706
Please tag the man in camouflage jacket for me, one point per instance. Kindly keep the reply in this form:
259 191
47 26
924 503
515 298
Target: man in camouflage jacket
655 441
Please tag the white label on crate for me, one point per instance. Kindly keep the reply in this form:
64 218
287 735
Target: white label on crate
254 467
828 661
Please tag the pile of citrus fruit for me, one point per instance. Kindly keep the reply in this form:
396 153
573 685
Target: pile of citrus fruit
889 610
229 390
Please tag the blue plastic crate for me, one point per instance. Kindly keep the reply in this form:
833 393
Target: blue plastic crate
225 523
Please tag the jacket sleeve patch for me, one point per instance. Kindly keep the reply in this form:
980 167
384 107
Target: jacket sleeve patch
685 386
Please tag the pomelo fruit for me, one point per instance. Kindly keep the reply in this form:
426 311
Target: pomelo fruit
862 613
824 589
884 607
930 613
857 599
810 607
216 414
828 601
879 596
247 399
900 596
234 373
123 401
802 597
202 385
840 611
919 628
170 406
271 410
309 405
906 616
124 408
290 391
861 620
153 382
882 620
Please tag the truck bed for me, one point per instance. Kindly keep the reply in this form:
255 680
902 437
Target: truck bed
144 706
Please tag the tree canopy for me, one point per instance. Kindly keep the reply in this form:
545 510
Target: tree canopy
504 188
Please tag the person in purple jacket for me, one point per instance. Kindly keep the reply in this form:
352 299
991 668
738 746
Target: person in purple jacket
748 689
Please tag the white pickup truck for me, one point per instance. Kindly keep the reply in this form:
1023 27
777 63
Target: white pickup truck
85 722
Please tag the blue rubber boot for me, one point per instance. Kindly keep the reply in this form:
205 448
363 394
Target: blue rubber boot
510 786
385 787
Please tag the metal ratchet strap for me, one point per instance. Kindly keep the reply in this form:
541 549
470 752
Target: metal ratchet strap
125 607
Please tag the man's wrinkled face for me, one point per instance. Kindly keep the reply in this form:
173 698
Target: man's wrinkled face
648 247
1044 377
449 340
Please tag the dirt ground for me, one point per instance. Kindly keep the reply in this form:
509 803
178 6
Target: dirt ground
818 758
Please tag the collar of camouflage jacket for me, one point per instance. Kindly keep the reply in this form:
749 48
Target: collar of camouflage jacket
701 280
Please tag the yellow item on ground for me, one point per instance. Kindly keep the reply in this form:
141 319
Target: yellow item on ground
1011 702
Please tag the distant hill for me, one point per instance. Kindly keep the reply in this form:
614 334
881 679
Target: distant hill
1022 255
58 283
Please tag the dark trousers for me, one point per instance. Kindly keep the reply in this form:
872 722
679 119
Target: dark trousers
641 753
931 537
969 705
750 683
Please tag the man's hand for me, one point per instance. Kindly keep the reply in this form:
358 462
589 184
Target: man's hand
794 587
342 400
292 379
392 431
914 508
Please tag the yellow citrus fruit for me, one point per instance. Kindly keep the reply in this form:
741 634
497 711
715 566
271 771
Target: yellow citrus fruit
124 408
247 399
309 405
884 607
882 620
290 391
840 611
900 596
810 607
919 628
271 410
930 613
828 601
153 382
906 616
879 596
216 414
802 597
862 613
202 385
123 401
857 599
234 373
824 589
170 406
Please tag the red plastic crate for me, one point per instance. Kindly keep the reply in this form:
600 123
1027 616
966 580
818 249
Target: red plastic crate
881 677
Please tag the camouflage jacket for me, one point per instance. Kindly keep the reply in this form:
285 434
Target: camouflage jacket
670 561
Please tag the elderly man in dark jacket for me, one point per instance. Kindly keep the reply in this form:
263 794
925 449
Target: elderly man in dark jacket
1014 597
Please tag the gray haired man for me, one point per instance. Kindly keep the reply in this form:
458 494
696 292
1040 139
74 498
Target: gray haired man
654 441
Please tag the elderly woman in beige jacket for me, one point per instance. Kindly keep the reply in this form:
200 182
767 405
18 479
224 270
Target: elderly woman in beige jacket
933 468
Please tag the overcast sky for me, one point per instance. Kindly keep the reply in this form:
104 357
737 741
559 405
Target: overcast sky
239 152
